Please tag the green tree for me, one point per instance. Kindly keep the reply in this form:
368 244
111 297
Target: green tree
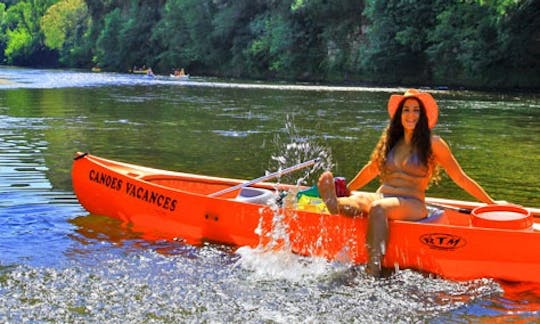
333 34
3 37
137 44
397 36
65 25
520 46
24 43
108 49
232 33
126 37
61 19
185 32
270 50
482 43
284 43
464 43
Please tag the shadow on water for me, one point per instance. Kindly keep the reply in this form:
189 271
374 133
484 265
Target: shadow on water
95 232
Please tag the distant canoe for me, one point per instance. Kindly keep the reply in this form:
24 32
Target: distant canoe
180 77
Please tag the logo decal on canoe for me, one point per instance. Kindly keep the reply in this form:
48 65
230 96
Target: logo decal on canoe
443 241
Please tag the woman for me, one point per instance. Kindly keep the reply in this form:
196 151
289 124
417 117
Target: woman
406 159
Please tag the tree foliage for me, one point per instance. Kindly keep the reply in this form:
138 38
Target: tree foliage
64 25
3 36
61 19
397 36
185 34
475 43
471 42
23 37
126 37
520 46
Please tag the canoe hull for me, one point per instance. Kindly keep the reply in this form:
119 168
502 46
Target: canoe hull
173 205
157 211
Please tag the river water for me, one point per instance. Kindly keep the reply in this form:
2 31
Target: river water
60 264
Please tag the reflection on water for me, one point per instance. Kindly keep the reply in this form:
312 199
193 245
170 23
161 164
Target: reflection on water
57 263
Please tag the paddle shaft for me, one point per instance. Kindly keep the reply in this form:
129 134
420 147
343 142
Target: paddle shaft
266 177
460 210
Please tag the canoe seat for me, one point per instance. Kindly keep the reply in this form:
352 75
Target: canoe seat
256 196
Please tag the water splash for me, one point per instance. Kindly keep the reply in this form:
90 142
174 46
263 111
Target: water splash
274 257
294 148
281 264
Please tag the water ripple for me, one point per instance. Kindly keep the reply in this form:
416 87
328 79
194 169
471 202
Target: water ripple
147 286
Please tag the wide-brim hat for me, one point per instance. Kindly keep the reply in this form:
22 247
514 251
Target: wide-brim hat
432 110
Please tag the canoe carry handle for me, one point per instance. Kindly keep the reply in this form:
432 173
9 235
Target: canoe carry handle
80 156
266 177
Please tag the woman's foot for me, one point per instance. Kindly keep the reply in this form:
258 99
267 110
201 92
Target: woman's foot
327 190
373 267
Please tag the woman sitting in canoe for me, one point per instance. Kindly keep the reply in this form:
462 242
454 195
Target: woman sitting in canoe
405 159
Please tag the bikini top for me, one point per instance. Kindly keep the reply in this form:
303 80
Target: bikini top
412 166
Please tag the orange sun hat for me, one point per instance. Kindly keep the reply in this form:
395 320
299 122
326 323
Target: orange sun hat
432 110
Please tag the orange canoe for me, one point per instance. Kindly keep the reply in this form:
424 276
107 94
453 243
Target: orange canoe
171 205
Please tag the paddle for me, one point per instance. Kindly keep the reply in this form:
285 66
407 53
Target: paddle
460 210
267 177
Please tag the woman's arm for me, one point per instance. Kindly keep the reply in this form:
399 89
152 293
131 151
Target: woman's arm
443 155
364 176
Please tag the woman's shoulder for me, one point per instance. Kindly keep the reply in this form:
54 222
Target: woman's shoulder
437 139
438 144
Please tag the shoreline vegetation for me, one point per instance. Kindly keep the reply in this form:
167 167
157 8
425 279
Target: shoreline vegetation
476 45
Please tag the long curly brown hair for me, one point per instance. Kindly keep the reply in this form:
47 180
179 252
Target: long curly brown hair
421 142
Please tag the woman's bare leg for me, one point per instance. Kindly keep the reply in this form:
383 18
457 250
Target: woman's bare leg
327 190
377 237
378 229
348 206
